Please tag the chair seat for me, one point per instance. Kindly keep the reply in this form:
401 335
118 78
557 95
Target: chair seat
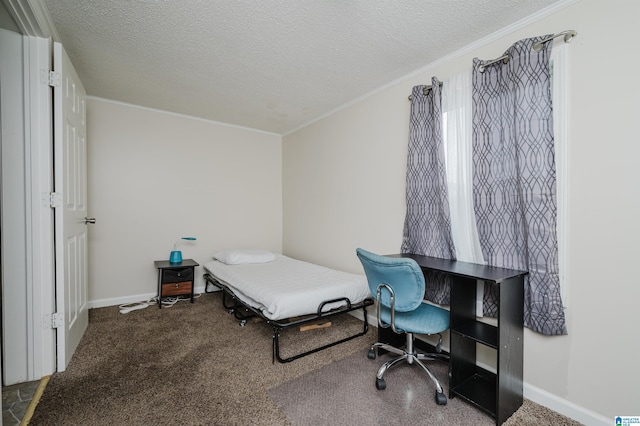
426 319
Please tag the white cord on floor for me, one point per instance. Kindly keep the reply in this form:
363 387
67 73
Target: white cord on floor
128 307
166 302
170 301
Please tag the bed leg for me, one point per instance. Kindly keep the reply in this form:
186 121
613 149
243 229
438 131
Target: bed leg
231 308
274 345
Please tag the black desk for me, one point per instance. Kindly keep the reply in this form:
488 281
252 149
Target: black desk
500 393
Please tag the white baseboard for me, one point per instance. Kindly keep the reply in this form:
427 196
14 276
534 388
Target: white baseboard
117 301
564 407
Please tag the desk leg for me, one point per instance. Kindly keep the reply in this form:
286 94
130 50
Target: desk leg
511 348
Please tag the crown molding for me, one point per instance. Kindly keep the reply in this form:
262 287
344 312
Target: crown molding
32 18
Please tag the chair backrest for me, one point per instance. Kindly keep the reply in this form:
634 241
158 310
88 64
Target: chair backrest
403 275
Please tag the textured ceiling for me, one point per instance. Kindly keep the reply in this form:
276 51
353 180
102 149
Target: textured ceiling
272 65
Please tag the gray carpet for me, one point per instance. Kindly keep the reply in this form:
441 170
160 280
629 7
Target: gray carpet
337 390
193 365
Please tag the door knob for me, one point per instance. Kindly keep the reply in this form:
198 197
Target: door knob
88 220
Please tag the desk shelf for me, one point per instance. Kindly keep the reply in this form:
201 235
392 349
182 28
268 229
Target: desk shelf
480 332
479 390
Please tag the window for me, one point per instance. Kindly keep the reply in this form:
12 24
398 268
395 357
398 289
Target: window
456 130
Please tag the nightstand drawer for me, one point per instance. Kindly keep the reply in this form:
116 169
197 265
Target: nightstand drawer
175 289
177 275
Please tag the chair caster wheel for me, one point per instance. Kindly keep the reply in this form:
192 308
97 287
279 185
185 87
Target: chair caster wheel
441 399
372 354
381 384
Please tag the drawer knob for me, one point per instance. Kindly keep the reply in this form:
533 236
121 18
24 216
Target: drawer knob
176 285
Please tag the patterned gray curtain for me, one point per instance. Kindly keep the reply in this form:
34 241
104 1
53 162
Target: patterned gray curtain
427 227
514 178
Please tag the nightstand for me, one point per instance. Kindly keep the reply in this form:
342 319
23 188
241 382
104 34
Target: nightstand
175 279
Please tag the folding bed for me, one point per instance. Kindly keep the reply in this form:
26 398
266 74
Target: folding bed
285 292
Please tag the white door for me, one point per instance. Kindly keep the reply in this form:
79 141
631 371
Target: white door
70 183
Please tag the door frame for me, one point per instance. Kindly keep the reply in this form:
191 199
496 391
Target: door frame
34 22
40 253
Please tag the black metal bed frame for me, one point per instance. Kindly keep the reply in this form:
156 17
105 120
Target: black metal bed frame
246 312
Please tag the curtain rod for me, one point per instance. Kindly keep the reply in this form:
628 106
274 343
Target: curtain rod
537 46
425 90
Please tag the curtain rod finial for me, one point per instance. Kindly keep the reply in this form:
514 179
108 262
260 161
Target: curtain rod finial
568 35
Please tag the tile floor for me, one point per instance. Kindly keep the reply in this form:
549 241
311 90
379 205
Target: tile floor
16 400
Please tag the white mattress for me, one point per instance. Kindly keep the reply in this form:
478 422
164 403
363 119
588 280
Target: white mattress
288 287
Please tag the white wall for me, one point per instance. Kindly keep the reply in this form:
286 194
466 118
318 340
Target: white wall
155 177
344 187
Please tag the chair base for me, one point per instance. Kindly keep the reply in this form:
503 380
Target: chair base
410 356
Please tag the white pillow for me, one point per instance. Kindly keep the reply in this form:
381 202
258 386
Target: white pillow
241 256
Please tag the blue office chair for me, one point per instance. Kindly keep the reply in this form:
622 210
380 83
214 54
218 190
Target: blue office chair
398 285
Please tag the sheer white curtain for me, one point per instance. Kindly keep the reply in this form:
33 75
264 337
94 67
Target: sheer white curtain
456 117
456 129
